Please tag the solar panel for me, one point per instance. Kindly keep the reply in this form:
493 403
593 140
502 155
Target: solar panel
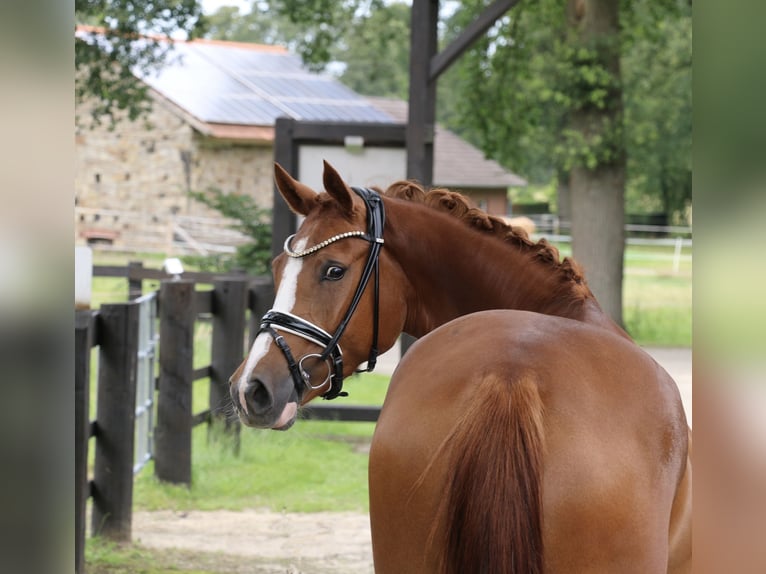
250 86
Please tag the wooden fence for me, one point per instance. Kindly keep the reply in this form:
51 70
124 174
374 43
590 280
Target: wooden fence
114 331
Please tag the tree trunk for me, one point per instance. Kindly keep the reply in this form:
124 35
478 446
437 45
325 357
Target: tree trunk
563 199
598 211
597 181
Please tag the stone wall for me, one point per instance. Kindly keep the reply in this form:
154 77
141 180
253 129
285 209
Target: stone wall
131 181
234 169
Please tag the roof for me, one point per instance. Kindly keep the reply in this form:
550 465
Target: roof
456 162
233 83
225 83
236 91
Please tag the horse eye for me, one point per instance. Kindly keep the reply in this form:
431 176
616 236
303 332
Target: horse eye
334 272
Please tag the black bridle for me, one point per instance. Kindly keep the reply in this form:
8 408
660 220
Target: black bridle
274 321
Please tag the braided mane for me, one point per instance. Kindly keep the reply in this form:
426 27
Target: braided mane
458 206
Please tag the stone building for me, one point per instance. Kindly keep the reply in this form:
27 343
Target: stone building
212 126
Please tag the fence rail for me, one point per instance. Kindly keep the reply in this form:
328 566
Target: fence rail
546 223
122 334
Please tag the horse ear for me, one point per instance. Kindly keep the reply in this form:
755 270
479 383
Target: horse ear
301 198
337 188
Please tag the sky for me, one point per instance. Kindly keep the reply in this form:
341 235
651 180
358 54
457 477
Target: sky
210 6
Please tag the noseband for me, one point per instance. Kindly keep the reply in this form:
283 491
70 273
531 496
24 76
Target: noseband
274 321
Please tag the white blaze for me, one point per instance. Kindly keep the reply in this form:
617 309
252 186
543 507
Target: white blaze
283 302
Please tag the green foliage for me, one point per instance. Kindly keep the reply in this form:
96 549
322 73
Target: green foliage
377 52
657 58
253 257
105 61
519 86
513 92
507 94
323 25
535 193
261 25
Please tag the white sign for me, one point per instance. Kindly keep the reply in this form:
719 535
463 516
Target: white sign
360 166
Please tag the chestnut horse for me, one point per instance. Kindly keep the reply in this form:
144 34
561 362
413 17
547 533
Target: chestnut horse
524 432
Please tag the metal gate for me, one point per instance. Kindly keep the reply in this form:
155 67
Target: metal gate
147 345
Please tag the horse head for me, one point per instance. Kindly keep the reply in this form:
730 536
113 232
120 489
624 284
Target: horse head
337 303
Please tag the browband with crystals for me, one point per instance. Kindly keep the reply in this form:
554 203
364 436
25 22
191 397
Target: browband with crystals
325 243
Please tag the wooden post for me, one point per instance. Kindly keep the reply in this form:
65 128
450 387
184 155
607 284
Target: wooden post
172 452
425 67
116 413
422 99
135 283
83 343
283 221
261 299
229 306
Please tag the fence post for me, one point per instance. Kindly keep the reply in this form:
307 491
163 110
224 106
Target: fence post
135 283
229 306
261 298
83 343
172 439
116 413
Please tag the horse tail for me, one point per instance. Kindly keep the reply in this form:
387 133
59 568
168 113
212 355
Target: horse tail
491 519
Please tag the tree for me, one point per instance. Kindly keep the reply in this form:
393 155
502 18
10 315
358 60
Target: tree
656 66
558 94
596 143
323 25
506 94
377 53
260 26
106 59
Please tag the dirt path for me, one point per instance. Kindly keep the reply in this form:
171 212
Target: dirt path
264 542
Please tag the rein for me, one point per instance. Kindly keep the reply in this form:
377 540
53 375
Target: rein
276 320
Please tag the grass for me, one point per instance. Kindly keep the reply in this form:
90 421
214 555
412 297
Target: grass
316 466
106 557
657 299
657 309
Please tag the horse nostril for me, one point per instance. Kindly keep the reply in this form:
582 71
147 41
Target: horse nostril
259 398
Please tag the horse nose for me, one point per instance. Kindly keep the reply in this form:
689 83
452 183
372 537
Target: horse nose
258 398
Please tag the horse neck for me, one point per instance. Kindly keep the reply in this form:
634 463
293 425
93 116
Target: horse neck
453 269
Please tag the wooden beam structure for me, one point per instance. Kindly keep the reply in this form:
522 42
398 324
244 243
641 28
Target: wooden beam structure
425 68
444 59
422 105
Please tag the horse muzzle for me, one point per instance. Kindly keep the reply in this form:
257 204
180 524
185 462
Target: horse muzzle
260 404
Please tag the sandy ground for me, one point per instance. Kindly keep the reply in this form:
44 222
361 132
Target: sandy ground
264 542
